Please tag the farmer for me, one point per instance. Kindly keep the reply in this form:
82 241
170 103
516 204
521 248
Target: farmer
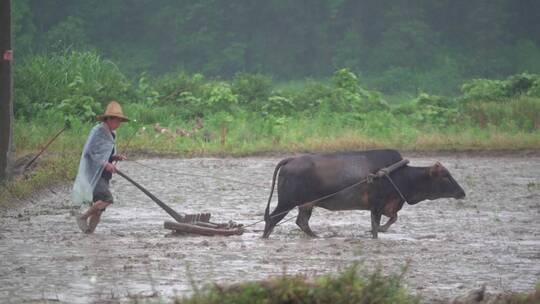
96 167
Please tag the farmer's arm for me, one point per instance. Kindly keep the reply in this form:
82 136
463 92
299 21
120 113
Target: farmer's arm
110 168
119 157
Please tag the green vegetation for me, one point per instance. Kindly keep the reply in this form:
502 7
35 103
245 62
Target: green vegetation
190 115
396 47
220 77
352 285
239 78
348 287
250 114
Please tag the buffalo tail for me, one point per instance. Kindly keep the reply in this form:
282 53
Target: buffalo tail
278 166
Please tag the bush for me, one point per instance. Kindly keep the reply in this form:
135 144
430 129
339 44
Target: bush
218 97
348 287
75 83
346 80
429 110
483 90
501 90
278 105
145 92
311 96
347 95
534 91
253 90
520 84
177 88
425 99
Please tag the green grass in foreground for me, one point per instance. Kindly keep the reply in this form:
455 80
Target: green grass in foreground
352 285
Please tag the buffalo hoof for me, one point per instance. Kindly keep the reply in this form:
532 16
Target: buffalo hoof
373 235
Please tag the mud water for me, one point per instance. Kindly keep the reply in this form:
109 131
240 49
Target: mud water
491 237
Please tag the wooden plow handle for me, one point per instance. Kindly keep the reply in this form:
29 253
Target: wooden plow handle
163 206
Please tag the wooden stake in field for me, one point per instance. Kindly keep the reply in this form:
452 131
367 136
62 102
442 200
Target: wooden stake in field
6 105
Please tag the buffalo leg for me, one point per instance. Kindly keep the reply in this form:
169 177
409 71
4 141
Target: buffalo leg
274 218
375 223
391 220
302 220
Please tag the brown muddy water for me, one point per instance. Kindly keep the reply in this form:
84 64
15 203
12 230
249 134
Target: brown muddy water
491 237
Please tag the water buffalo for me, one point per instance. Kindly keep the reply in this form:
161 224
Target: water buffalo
307 178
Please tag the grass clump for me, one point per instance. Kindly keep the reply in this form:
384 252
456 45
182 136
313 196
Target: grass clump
347 287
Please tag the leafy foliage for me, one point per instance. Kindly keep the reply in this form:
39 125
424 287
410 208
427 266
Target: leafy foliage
501 90
253 90
217 97
75 86
484 89
349 96
74 83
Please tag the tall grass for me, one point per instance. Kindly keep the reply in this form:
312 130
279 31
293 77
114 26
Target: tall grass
521 113
250 133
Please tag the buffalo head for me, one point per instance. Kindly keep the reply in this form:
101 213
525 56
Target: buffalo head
437 183
443 184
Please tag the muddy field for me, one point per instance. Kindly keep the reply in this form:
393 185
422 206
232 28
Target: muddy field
491 237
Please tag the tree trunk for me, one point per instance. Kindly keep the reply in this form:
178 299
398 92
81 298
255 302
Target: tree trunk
6 105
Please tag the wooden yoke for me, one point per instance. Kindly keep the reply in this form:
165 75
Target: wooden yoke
385 171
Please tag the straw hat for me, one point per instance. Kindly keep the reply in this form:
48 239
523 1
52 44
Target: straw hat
113 110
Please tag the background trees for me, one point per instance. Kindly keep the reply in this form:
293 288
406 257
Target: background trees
394 46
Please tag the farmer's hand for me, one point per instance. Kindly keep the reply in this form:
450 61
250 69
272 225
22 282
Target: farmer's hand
119 157
110 168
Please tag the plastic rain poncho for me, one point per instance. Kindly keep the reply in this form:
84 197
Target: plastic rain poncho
95 155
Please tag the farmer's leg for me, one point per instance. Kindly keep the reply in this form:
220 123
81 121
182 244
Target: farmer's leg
102 198
94 218
95 209
82 220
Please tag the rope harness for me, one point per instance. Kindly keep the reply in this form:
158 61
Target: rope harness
386 173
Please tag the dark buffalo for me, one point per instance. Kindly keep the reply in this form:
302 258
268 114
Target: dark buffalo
307 178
